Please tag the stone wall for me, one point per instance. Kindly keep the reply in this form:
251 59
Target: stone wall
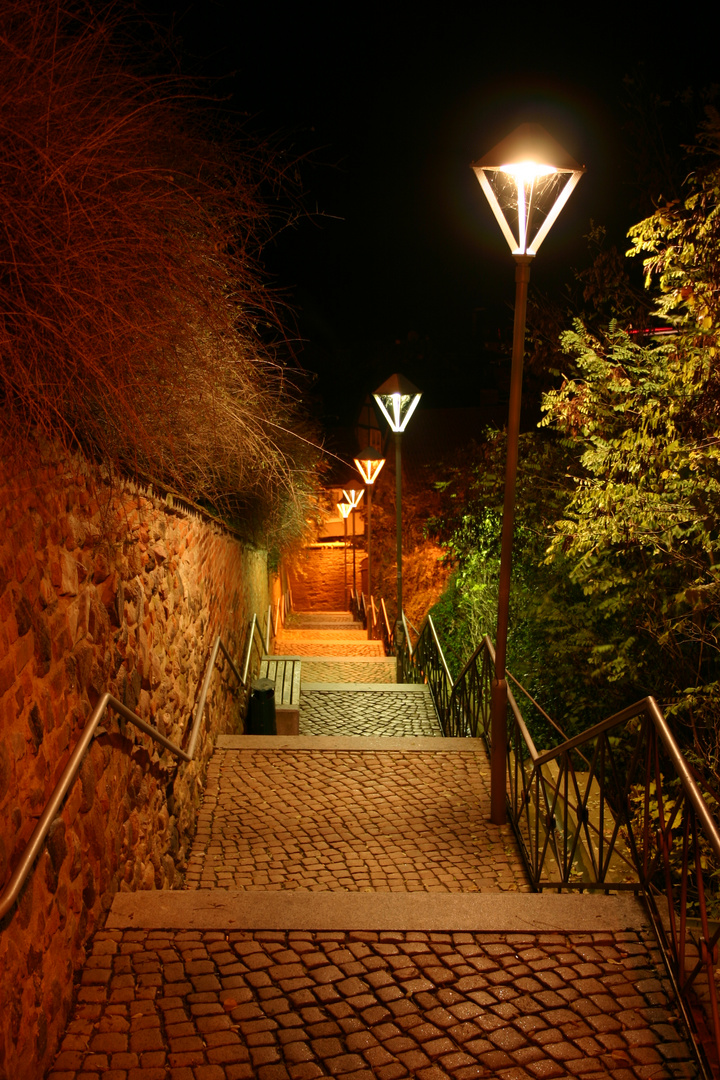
317 577
100 589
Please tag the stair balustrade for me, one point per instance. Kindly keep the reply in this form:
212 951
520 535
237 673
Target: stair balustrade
366 608
614 808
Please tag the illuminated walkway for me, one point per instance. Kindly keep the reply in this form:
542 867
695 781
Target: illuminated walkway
349 910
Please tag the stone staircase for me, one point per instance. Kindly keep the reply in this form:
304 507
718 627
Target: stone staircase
334 664
349 910
353 694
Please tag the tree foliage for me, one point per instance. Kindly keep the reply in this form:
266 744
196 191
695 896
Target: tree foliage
553 627
641 532
616 586
134 321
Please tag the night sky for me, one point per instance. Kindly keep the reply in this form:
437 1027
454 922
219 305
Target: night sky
399 264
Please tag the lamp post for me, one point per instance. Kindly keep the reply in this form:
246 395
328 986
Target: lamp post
527 178
398 399
345 509
353 496
369 463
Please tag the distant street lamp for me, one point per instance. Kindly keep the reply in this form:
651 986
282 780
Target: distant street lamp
527 178
345 509
369 463
353 496
398 399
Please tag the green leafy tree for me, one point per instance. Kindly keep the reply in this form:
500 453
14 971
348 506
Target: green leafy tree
641 533
553 626
615 584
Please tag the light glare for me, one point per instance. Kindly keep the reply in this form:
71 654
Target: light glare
397 408
527 171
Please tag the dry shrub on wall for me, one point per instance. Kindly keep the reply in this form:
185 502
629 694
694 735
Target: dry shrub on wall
133 318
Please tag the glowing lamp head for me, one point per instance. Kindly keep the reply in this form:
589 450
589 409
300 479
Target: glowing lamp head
527 171
353 496
344 509
527 178
369 463
398 400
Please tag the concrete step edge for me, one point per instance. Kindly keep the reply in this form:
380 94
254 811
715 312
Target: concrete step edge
500 912
357 743
364 687
389 660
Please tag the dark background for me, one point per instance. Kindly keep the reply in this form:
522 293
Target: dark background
397 263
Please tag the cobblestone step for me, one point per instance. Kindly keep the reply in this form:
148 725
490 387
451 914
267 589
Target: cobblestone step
319 649
322 620
325 669
351 814
367 710
230 1004
311 616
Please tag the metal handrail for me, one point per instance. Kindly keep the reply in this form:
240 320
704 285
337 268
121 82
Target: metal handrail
426 663
12 889
443 661
386 621
268 628
626 815
408 641
386 632
254 633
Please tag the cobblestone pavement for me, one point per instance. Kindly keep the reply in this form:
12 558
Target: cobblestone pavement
362 712
312 647
347 820
184 1005
327 670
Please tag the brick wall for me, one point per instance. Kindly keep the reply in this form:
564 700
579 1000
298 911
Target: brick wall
317 577
100 588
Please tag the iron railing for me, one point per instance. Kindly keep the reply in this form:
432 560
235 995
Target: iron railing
386 633
13 887
425 662
365 609
614 808
277 618
357 606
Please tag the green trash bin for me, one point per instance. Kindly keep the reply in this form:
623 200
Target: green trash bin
261 715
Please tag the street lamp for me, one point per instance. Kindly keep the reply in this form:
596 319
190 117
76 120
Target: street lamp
345 509
398 400
527 178
369 463
353 496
